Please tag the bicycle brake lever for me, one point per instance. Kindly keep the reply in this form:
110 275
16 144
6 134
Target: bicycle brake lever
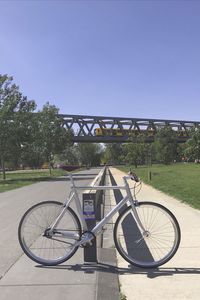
134 176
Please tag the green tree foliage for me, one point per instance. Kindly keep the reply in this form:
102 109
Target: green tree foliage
89 154
113 154
52 137
135 152
165 145
69 156
181 148
192 146
15 110
28 138
33 150
47 138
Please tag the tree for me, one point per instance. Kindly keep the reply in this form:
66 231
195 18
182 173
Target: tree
33 149
53 138
113 153
89 154
181 151
165 145
135 151
15 110
69 156
192 147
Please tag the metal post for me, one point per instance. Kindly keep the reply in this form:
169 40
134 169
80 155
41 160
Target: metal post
90 252
149 175
93 202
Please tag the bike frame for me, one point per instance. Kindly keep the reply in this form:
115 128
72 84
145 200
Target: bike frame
98 228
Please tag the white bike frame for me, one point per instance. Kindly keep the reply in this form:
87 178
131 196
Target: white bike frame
98 228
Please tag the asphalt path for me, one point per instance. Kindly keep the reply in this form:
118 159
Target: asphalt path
23 279
13 205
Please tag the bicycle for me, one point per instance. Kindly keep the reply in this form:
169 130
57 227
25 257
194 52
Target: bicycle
146 234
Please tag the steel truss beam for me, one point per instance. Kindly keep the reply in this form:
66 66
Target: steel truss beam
84 126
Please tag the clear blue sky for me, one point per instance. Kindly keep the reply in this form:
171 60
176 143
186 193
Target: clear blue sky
112 58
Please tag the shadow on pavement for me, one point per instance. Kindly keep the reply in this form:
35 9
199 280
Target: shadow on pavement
48 179
108 268
76 176
82 174
131 232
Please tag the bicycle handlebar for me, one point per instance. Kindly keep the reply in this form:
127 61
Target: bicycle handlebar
134 176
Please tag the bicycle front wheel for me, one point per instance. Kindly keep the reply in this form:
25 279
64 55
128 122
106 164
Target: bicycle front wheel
153 246
49 249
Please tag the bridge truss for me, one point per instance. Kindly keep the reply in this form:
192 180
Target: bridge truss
100 129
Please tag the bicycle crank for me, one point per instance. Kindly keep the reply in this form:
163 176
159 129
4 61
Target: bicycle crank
86 239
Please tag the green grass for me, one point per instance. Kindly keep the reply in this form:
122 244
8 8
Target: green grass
179 180
18 179
122 296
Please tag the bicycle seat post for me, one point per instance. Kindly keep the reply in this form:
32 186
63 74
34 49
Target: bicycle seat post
72 182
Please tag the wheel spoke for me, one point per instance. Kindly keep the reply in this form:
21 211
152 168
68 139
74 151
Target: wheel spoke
153 247
44 249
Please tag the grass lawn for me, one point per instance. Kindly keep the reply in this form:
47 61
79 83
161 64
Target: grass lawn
18 179
179 180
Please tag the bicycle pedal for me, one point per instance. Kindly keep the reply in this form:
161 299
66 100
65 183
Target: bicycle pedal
86 245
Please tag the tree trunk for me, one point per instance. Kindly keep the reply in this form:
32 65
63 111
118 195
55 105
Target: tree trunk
3 169
50 172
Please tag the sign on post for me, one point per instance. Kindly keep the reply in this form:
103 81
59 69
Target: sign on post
90 252
88 209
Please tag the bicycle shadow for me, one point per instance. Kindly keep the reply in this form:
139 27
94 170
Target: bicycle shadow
91 268
129 225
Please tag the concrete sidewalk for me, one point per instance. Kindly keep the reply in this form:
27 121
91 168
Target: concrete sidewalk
23 279
177 279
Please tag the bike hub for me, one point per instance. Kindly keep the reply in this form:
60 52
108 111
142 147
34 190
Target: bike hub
146 234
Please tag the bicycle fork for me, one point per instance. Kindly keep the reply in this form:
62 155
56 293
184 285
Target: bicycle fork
134 204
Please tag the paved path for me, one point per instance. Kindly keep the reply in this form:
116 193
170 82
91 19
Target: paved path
20 277
180 277
23 279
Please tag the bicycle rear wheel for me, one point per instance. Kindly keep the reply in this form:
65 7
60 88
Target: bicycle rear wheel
153 247
33 233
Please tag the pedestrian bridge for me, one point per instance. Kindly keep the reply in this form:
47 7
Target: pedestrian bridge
101 129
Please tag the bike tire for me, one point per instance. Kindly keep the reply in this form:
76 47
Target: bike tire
154 247
42 249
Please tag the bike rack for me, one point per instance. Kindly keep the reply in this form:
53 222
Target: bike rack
93 203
